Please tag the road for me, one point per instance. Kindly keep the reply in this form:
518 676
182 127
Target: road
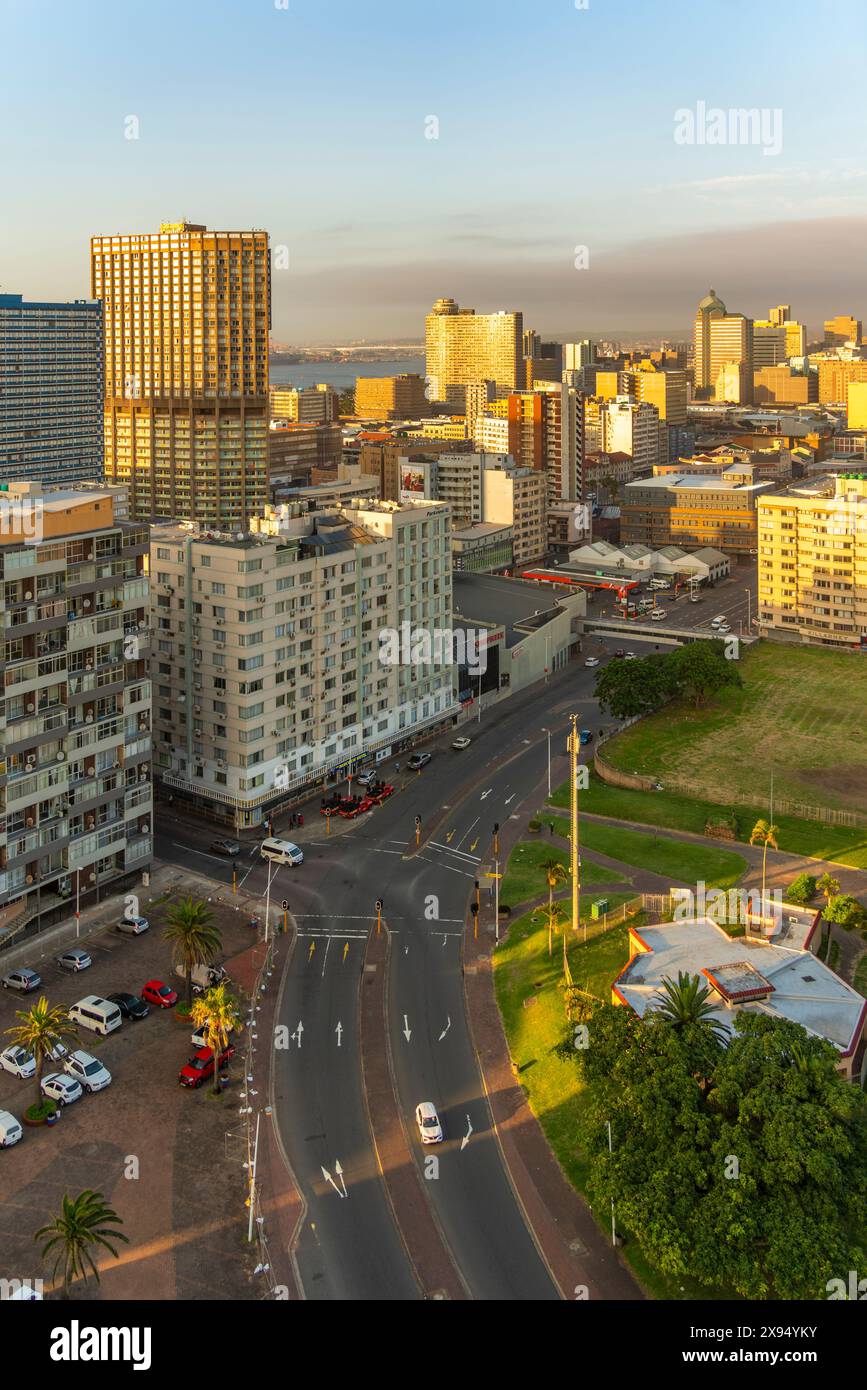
349 1246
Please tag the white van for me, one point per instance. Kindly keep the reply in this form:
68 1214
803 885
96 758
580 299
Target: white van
10 1130
99 1015
282 851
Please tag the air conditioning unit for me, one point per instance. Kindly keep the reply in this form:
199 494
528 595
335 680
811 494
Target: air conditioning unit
89 666
92 772
28 595
115 765
198 661
30 708
30 759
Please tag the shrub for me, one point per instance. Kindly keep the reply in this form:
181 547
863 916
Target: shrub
801 889
846 911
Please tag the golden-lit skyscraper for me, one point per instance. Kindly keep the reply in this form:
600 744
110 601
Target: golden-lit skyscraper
843 328
723 349
187 314
463 347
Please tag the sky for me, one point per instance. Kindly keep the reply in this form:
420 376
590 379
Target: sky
559 181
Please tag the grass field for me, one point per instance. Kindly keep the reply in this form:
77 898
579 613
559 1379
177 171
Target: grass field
529 993
674 812
800 713
675 859
525 881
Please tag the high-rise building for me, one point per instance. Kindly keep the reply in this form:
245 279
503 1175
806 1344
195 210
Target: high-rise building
186 313
842 329
578 355
463 347
812 542
313 405
391 397
273 674
666 390
722 341
796 339
76 739
835 377
780 314
486 488
631 427
51 384
769 344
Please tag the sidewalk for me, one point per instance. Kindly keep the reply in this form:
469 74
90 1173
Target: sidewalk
577 1253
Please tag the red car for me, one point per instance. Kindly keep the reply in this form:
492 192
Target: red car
201 1065
354 807
381 792
163 996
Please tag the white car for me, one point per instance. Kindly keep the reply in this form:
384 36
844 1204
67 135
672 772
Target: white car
18 1062
58 1053
723 628
630 656
133 926
364 779
89 1072
63 1089
10 1130
461 743
658 615
428 1122
719 618
592 661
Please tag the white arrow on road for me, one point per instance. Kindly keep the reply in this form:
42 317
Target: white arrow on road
328 1178
407 1031
487 793
339 1171
339 1031
509 798
445 1030
466 1138
296 1036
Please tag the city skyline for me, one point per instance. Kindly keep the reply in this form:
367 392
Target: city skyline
385 219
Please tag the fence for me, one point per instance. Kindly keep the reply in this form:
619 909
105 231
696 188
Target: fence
728 796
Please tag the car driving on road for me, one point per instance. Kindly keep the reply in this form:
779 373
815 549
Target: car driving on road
418 761
459 744
228 847
428 1122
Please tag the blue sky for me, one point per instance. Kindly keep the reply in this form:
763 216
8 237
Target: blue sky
555 130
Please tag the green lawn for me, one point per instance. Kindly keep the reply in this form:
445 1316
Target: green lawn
800 713
525 880
675 812
528 988
684 863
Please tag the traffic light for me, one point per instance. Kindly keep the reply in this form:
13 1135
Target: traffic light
496 837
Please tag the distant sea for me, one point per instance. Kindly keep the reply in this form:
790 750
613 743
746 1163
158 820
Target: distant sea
343 374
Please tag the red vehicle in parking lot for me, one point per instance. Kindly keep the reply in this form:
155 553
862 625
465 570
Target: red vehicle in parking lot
201 1065
352 806
162 995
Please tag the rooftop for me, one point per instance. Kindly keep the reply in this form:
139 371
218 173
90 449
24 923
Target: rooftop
506 603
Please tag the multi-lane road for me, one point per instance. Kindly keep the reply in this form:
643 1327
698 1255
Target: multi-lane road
349 1246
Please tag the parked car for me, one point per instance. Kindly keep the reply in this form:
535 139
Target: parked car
130 1005
87 1071
202 976
629 656
133 926
658 615
364 779
428 1122
354 806
64 1089
228 847
586 736
25 981
620 652
58 1053
10 1130
592 661
418 761
75 959
719 618
156 992
461 743
18 1062
201 1066
200 1037
380 791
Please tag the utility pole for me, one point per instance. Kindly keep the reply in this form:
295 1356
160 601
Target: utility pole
548 732
252 1167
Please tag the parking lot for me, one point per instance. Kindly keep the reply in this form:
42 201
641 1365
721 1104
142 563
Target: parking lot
159 1152
734 597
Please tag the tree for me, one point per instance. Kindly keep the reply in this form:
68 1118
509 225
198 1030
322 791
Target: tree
630 688
217 1012
555 920
700 670
346 401
555 872
847 912
84 1224
688 1002
801 889
743 1166
192 936
828 887
764 834
41 1029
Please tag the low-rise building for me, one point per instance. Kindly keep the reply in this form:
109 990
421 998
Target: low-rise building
693 511
528 633
484 547
390 397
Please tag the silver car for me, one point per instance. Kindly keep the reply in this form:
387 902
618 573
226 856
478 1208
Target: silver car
23 980
75 959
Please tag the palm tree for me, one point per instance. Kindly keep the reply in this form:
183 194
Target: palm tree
83 1224
217 1012
193 937
829 887
764 834
40 1029
687 1002
555 873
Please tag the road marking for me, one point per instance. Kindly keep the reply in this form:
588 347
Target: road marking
407 1031
325 957
328 1178
339 1031
387 851
509 799
466 1138
486 794
345 951
318 935
451 835
459 853
445 1030
312 949
246 876
296 1036
217 858
467 831
473 845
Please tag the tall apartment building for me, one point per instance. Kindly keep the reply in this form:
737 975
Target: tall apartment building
721 341
545 432
491 434
668 391
267 661
310 405
463 347
796 339
485 488
781 313
51 385
693 511
842 329
75 766
835 376
186 314
578 355
391 397
769 344
813 562
631 427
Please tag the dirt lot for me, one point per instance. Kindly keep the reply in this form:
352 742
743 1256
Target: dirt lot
169 1160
